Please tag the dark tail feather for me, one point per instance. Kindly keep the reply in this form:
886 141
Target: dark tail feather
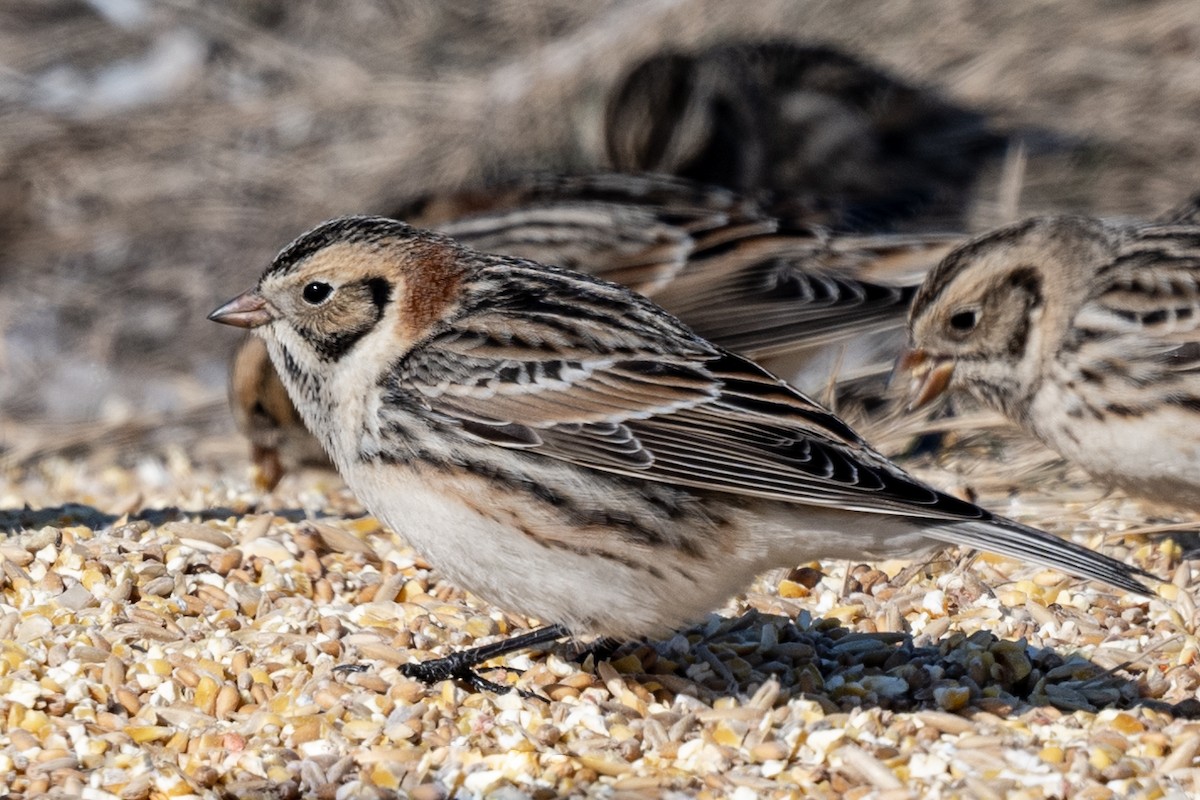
1012 539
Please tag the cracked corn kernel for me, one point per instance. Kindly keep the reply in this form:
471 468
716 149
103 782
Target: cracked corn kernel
1052 754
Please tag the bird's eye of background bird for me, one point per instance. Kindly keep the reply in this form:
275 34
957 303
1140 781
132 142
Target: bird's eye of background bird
964 320
316 292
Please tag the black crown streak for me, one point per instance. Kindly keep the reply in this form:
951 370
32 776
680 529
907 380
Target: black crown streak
941 276
344 230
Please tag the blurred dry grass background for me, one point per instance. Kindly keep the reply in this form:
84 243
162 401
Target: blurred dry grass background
154 155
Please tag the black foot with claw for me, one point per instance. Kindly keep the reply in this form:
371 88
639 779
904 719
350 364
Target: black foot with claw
460 666
600 650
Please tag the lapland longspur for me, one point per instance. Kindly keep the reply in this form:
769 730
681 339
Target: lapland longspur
804 302
566 449
1085 333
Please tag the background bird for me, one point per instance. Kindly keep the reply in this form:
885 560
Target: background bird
803 128
564 448
1085 333
264 414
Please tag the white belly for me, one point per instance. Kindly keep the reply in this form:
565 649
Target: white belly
1156 455
484 548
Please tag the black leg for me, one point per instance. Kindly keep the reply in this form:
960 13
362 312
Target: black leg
460 665
600 650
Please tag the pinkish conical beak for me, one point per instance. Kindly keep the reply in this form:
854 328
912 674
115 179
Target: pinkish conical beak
930 377
247 310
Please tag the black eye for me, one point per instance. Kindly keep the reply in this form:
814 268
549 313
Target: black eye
965 320
316 293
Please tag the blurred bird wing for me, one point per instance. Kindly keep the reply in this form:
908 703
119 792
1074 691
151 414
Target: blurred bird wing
791 291
709 256
639 246
780 304
1140 327
626 244
637 230
1151 288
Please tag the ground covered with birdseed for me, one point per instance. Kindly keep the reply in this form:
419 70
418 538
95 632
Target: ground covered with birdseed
170 631
167 630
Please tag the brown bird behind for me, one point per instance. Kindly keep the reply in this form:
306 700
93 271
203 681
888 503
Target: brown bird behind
279 442
806 129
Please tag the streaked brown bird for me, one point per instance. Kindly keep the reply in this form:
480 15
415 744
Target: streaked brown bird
808 304
804 129
1086 333
566 449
